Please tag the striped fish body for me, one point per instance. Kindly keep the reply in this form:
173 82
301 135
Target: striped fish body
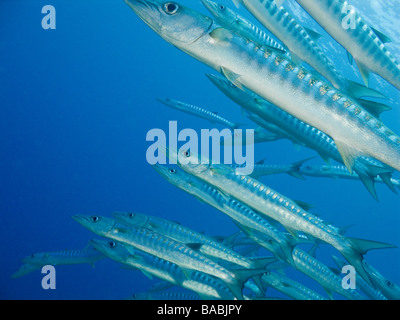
171 250
318 105
164 296
164 270
266 201
295 37
236 210
183 234
322 274
359 40
289 287
232 20
65 257
368 290
199 112
278 80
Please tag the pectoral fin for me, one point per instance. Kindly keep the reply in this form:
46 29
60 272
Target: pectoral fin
364 71
232 77
348 155
236 3
350 58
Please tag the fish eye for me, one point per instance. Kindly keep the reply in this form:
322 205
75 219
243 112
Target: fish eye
221 7
389 283
171 7
94 218
172 171
112 244
187 154
131 215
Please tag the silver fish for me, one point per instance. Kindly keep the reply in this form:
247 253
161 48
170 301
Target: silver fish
231 19
388 288
213 117
242 214
190 237
371 292
302 44
290 287
365 44
270 203
167 249
208 287
274 77
300 133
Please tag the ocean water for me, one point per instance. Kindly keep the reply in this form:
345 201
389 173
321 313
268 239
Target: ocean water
76 105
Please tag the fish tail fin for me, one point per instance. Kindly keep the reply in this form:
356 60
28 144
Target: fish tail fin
371 171
357 90
242 275
295 168
387 179
358 248
369 183
261 263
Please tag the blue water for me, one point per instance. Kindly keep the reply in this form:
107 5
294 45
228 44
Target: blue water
76 105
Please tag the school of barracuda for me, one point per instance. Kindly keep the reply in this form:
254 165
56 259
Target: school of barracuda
319 109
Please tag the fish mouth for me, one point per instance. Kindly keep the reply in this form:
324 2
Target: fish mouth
148 11
87 222
211 6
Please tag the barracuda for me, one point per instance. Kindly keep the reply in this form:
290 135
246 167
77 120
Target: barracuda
232 20
274 77
168 249
300 133
289 287
55 258
213 117
270 203
365 44
205 286
388 288
310 266
150 295
88 255
302 44
316 270
371 292
281 246
261 169
178 232
336 172
260 135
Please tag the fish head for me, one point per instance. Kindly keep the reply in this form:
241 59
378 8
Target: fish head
220 12
186 159
241 96
35 258
97 224
316 170
131 218
170 102
172 21
191 162
110 248
178 178
388 288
